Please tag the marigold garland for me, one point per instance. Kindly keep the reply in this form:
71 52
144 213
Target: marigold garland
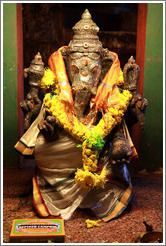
92 140
120 81
49 82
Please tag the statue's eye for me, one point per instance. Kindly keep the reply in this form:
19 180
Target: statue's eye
74 69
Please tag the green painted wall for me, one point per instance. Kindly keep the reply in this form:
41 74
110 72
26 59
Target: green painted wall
152 137
10 121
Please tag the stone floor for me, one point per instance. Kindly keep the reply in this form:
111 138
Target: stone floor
147 204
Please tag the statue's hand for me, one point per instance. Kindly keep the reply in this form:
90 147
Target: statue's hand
49 128
31 107
138 105
120 151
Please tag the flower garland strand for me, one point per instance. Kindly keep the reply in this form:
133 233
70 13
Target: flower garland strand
92 140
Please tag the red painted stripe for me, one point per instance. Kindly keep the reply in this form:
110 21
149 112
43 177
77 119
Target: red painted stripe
20 78
35 178
140 60
141 42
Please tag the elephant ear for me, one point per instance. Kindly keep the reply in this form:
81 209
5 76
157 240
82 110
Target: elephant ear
106 63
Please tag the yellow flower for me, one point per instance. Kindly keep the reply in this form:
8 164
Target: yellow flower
92 223
49 81
47 97
93 157
101 179
120 80
90 165
85 178
88 151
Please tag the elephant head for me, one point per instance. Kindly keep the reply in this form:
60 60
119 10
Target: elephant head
85 58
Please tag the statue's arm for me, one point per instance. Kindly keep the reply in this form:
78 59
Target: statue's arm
32 104
138 104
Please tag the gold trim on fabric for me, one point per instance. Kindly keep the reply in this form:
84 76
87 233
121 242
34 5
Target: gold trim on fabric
119 206
23 149
27 142
38 201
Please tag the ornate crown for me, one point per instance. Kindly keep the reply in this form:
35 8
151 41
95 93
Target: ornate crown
85 39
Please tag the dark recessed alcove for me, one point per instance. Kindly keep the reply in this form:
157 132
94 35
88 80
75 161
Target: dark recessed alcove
48 26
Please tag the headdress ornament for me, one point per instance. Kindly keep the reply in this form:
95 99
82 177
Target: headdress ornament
85 39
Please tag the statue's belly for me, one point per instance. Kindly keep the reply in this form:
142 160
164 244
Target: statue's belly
58 159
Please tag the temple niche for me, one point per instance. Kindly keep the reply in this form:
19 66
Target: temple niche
48 27
80 139
82 97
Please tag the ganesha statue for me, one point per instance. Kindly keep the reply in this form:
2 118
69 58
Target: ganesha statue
78 134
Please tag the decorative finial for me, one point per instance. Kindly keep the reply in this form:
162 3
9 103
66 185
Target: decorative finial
37 60
131 60
86 23
38 57
86 14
